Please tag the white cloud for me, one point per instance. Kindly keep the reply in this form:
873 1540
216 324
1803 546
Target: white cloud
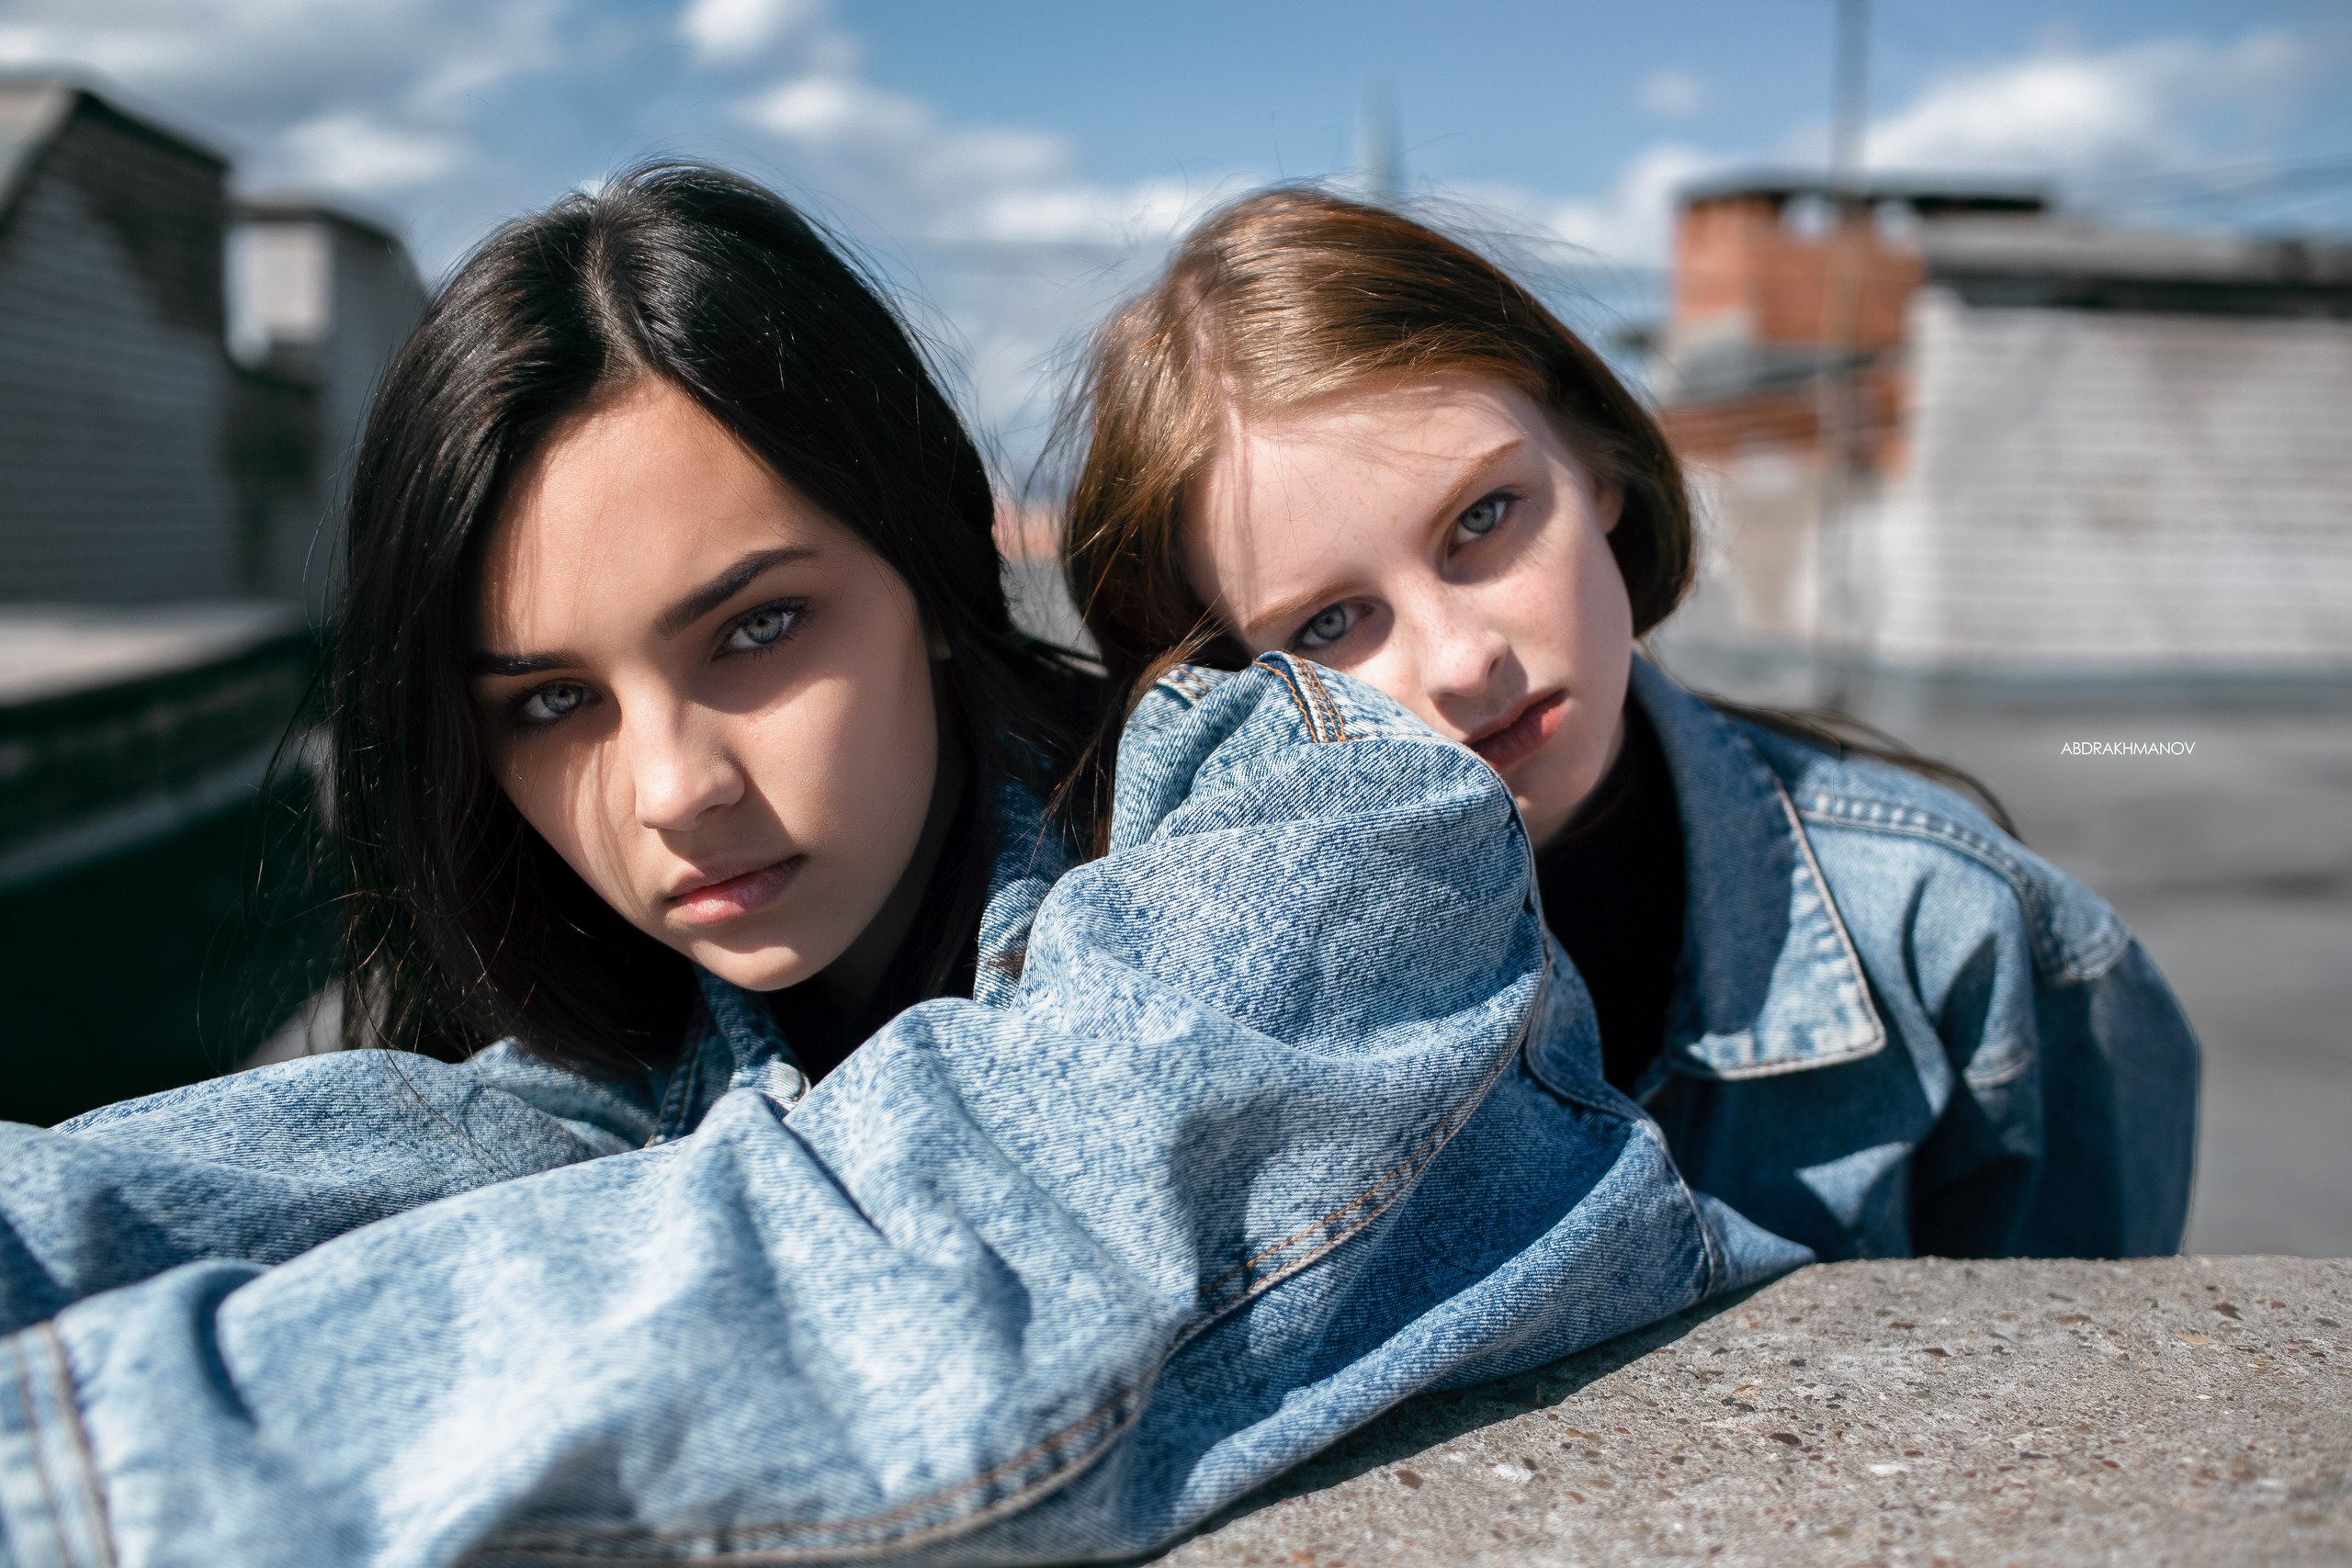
899 136
357 152
2059 114
1671 94
453 113
120 52
1149 212
1630 221
1014 252
728 31
374 99
2069 113
939 182
458 112
828 111
264 53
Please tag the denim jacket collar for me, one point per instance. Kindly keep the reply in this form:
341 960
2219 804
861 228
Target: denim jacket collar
1769 980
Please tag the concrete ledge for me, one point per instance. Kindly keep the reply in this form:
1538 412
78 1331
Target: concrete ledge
2179 1410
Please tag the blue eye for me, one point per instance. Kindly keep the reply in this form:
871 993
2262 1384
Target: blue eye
1483 515
763 629
547 704
1328 625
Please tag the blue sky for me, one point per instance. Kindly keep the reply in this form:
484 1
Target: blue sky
1016 165
1548 95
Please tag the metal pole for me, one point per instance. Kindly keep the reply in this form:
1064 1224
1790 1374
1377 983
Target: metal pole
1380 157
1836 412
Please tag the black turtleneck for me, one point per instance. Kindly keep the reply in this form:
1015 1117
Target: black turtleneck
1613 886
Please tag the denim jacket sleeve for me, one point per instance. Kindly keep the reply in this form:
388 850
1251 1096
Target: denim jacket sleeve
260 1166
1252 1151
2114 1180
2072 1126
2064 1071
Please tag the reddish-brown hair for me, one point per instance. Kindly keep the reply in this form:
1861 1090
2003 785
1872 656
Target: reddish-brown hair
1291 295
1294 294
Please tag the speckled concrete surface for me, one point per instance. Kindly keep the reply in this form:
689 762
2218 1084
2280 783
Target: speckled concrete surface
1939 1414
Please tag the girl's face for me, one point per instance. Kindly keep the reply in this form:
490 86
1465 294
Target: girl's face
711 698
1437 538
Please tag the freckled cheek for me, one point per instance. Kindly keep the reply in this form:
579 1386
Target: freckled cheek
1595 618
1391 670
1543 615
1572 624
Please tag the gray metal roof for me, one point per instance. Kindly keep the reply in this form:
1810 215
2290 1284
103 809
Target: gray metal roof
286 207
34 108
2057 248
1930 194
31 113
2081 265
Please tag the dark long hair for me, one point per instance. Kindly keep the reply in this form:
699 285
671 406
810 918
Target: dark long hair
462 924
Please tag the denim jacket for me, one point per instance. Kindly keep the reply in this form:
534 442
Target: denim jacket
1895 1030
1274 1116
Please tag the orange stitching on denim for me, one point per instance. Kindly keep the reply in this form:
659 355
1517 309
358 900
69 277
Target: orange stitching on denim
1243 1268
1338 725
1298 699
1330 703
71 1404
32 1433
1422 1154
1338 717
1314 704
1305 675
1256 1283
523 1542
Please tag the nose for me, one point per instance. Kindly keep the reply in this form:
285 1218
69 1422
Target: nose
1460 659
680 769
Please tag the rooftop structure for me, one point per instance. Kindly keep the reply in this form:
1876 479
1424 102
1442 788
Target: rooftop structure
1752 272
2077 450
2061 263
139 460
166 518
114 483
319 298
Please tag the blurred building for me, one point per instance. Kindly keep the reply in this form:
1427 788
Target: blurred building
319 298
166 513
2056 451
139 459
114 376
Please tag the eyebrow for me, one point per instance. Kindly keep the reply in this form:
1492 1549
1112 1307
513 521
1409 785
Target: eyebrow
483 664
1472 486
1280 612
725 586
670 623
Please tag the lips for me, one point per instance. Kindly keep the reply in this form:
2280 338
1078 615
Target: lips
1524 733
707 899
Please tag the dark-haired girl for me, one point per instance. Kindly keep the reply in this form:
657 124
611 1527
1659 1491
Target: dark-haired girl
955 1198
1860 1012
